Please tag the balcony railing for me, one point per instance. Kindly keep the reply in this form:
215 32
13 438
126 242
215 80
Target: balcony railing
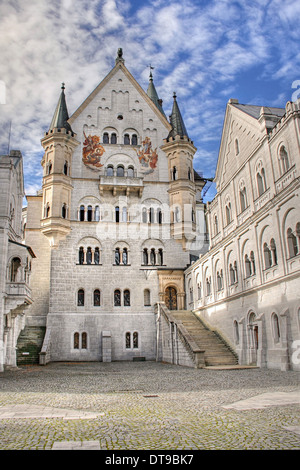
121 184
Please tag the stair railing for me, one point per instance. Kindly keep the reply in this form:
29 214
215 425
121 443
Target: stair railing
44 356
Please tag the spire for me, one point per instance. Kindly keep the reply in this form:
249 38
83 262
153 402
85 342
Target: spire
176 121
152 93
61 116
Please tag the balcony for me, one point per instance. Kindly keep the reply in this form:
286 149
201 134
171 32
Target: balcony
286 179
121 184
18 294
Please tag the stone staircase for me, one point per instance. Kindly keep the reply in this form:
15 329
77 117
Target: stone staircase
217 352
29 345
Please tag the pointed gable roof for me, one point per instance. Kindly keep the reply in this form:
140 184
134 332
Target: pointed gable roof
61 116
120 65
178 126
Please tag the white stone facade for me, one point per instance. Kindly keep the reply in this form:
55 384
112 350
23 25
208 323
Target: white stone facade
247 285
15 258
102 230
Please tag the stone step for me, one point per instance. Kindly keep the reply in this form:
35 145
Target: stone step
216 350
29 345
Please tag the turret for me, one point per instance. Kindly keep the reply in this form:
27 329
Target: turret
182 187
59 143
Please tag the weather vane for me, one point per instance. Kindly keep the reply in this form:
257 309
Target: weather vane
151 68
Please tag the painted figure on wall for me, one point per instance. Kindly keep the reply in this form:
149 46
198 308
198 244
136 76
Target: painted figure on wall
147 156
92 151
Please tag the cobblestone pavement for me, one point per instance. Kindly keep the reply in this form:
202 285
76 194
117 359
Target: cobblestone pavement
147 406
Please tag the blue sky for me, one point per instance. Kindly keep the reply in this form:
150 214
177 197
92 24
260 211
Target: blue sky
206 51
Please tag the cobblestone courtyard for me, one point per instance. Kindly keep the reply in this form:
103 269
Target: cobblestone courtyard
148 406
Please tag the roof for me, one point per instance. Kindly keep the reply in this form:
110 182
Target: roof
61 116
152 93
178 127
255 111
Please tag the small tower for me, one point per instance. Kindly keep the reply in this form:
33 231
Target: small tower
182 186
59 143
152 93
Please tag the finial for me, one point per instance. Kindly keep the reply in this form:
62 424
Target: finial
151 68
120 56
174 95
62 86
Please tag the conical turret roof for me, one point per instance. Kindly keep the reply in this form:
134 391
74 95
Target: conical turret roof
176 121
152 93
61 116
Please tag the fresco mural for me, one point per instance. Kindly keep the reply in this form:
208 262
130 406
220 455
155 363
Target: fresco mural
92 152
147 156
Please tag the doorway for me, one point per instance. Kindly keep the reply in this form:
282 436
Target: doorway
171 298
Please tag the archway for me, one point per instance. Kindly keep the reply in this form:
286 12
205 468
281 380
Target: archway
171 298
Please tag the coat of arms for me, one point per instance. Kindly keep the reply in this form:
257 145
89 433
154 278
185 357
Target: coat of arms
92 152
147 156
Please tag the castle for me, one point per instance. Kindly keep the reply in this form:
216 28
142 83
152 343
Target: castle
118 240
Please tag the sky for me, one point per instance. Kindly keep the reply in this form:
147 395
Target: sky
205 51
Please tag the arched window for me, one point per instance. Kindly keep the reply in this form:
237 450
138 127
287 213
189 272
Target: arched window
243 199
160 257
252 261
248 269
89 255
159 216
76 340
126 298
117 298
120 171
151 215
199 289
90 214
105 138
292 243
47 210
83 340
110 171
66 166
177 214
145 257
152 257
113 138
146 297
267 256
220 280
189 174
208 286
117 256
49 167
97 255
273 251
134 139
144 215
236 332
174 173
135 340
97 213
117 214
130 172
96 298
80 298
81 213
261 181
228 213
216 225
124 214
128 340
284 159
15 270
276 328
64 211
81 255
126 139
233 273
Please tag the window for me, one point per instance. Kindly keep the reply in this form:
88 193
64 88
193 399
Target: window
144 215
89 213
267 256
124 214
130 172
233 278
152 257
252 261
81 255
81 213
97 255
228 213
160 257
117 256
117 298
219 280
89 255
273 251
113 138
120 171
208 286
145 256
147 298
216 225
134 139
105 138
151 215
76 340
49 168
66 168
126 298
236 332
276 328
97 213
126 139
292 243
96 298
64 211
248 270
80 298
243 199
283 159
15 270
135 340
117 214
125 256
261 181
199 289
159 216
128 340
174 173
83 340
110 171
